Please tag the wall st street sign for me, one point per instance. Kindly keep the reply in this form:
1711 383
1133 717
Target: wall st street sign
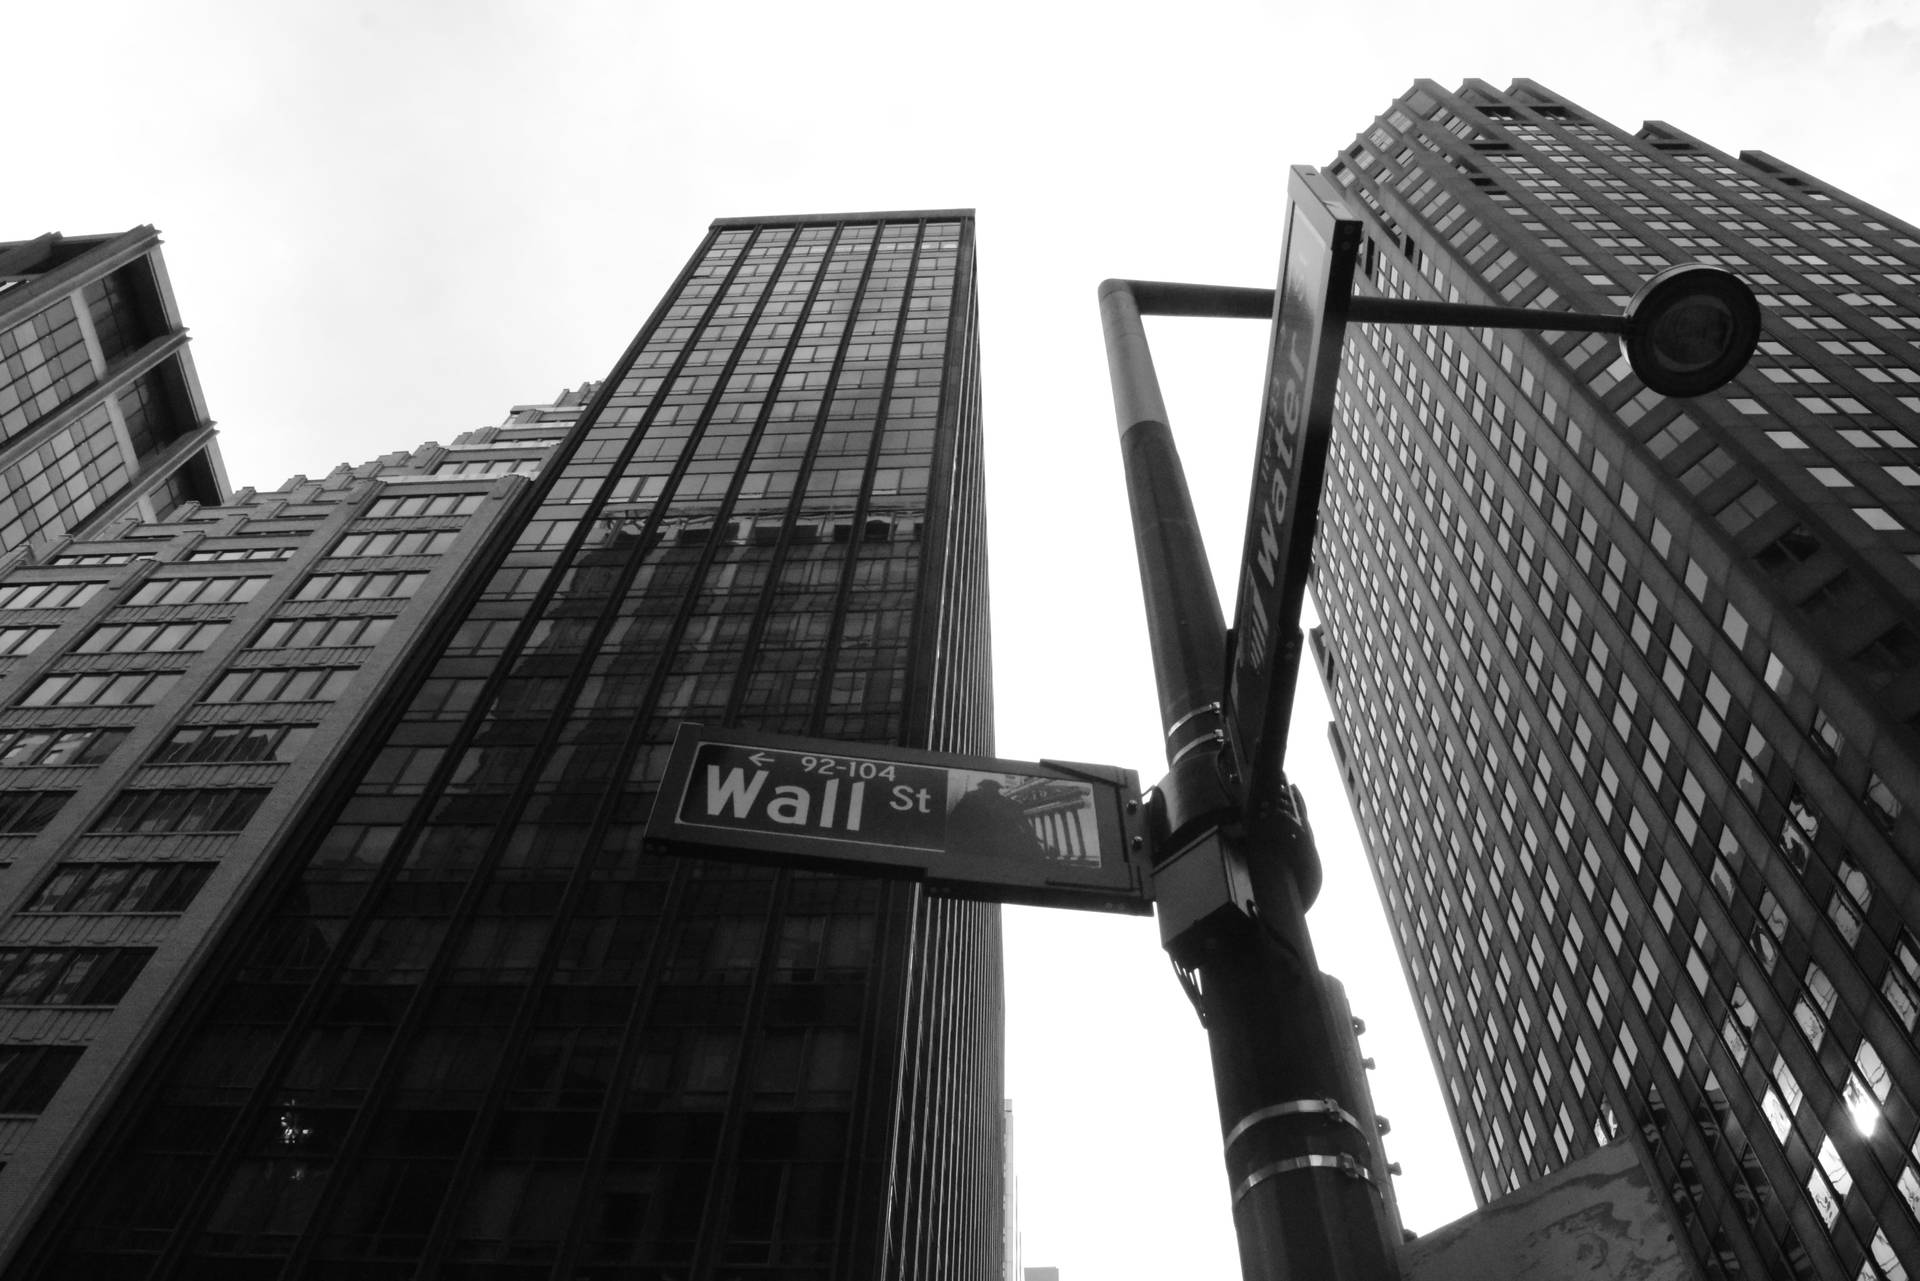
1296 422
1052 833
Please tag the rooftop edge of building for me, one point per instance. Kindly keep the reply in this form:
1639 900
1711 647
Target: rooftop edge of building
881 215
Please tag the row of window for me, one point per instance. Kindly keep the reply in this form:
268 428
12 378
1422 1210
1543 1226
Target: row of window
58 747
68 975
239 553
46 595
181 809
121 887
309 633
427 505
281 685
139 689
359 586
100 689
413 542
189 638
192 745
141 638
195 591
217 744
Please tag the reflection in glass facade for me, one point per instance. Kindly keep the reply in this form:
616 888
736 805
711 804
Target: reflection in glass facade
1627 690
100 410
466 1026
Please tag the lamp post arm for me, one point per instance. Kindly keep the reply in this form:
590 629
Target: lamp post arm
1178 298
1413 311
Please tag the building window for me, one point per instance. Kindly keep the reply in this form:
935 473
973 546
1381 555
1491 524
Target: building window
15 641
121 887
239 553
68 975
23 813
415 542
281 685
1881 802
195 591
210 744
140 638
181 809
29 1075
46 595
58 747
312 633
427 505
100 689
359 586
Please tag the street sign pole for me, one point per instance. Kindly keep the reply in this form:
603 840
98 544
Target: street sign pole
1235 867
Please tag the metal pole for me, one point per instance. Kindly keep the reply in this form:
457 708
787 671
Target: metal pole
1185 628
1310 1196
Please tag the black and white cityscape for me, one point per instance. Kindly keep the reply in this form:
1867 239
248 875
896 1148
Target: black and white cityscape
335 944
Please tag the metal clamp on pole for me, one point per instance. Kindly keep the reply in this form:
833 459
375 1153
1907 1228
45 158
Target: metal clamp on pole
1339 1161
1329 1108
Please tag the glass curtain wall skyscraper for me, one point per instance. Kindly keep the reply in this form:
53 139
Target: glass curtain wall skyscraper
464 1022
1627 690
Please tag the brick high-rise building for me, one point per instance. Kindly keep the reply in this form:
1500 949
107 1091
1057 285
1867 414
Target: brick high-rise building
393 988
1627 690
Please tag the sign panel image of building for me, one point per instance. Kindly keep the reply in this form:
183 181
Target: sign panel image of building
1054 834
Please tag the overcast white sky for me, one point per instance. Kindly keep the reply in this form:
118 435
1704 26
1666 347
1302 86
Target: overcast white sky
387 223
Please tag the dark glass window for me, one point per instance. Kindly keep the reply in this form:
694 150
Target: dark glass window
205 744
68 975
29 1074
58 747
183 809
27 812
120 887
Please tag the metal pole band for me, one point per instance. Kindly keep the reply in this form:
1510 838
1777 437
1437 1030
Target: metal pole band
1343 1163
1210 709
1329 1108
1216 738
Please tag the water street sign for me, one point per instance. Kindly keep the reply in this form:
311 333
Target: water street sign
1296 422
1052 834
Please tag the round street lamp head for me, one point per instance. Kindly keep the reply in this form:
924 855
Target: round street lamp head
1690 329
